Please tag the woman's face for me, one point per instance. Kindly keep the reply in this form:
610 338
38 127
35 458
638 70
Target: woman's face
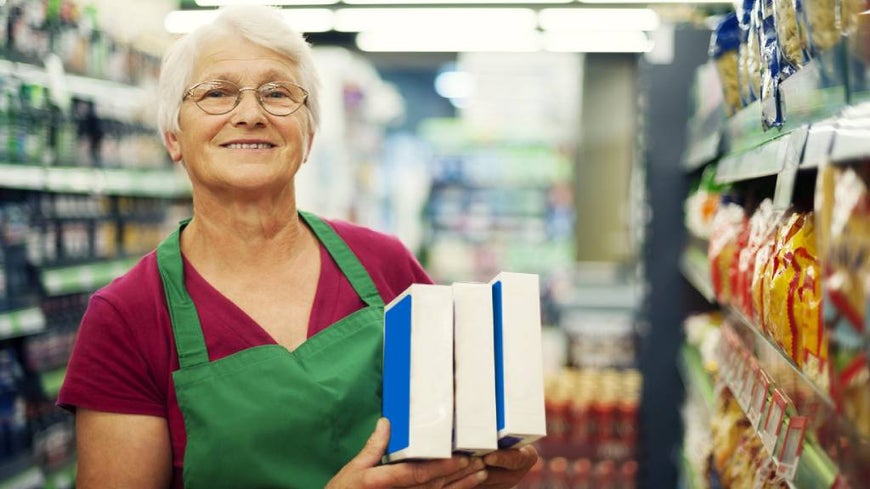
246 150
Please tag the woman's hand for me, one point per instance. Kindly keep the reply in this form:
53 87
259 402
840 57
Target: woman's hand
505 468
365 472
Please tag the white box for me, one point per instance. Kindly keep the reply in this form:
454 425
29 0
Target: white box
418 373
519 372
474 430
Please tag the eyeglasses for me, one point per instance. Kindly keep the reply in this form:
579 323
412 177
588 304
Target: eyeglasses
218 97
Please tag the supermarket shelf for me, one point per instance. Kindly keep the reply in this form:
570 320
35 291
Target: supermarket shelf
852 134
764 160
692 370
814 468
158 183
817 90
83 278
824 456
21 322
695 268
808 396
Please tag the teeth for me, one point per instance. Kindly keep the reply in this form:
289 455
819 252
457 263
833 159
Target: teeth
249 146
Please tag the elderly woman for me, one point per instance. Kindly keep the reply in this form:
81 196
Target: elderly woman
244 351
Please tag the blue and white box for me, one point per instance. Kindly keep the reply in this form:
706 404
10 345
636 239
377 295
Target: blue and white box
474 430
519 371
418 373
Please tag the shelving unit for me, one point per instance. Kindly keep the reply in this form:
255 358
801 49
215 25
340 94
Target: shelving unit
825 124
73 216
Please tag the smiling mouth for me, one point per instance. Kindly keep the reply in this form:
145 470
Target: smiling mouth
249 146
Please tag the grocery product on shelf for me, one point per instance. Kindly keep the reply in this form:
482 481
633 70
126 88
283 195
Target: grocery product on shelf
842 193
724 47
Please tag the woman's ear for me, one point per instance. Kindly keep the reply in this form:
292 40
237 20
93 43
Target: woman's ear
172 145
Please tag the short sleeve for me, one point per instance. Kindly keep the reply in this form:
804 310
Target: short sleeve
108 370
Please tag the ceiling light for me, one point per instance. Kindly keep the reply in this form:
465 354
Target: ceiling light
220 3
452 42
302 20
725 2
597 42
446 20
424 2
598 19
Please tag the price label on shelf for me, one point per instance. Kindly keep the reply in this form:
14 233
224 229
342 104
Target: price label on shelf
790 447
749 385
751 379
773 421
758 401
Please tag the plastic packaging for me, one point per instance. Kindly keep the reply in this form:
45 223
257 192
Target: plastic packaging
724 47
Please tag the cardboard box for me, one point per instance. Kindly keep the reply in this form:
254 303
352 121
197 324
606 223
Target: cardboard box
474 428
519 376
418 373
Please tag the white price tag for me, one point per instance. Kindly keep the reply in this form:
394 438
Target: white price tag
758 400
773 421
791 447
748 383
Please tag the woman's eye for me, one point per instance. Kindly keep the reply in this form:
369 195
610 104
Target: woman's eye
277 93
216 93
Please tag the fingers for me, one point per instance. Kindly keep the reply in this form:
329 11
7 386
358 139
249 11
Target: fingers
475 466
512 459
417 473
375 446
471 480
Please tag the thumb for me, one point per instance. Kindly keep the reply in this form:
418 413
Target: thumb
375 447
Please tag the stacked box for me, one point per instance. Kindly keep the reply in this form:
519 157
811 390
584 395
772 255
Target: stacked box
519 376
418 373
474 430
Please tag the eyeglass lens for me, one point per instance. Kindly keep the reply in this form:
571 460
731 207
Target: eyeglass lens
220 97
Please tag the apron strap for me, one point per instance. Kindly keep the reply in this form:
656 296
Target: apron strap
182 312
345 258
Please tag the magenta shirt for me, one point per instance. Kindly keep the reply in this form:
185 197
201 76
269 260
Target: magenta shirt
124 353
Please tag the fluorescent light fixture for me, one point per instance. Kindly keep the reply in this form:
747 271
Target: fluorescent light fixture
221 3
447 20
451 42
302 20
453 2
596 19
723 2
597 42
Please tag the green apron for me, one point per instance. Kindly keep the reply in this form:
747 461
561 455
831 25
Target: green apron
266 417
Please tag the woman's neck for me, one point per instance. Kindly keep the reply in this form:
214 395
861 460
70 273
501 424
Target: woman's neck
252 237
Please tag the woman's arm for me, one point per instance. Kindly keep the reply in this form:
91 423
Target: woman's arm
123 451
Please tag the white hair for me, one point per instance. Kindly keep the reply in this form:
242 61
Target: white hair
259 24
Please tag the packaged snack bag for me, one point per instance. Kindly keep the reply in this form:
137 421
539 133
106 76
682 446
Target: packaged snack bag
760 226
820 21
784 274
749 52
724 246
762 274
724 46
790 33
843 205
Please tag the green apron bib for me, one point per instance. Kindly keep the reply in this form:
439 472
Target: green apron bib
266 417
